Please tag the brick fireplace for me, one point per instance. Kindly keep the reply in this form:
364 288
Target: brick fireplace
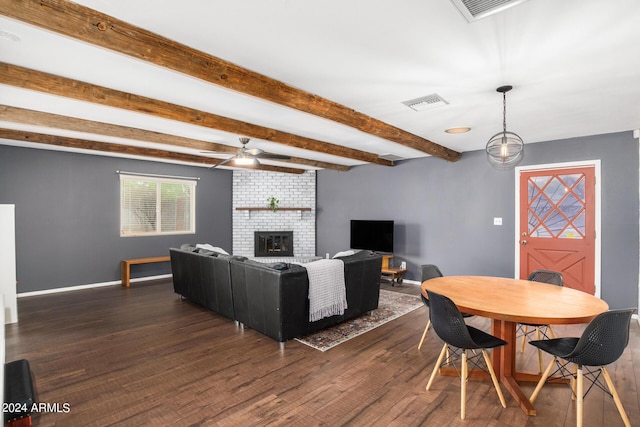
251 189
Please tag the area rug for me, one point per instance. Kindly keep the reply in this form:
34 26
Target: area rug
391 305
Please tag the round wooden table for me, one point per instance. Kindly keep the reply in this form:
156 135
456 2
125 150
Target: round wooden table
511 301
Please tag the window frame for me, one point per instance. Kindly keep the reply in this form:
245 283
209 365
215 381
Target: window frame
159 181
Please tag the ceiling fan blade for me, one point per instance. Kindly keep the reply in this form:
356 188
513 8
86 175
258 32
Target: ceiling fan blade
253 151
219 152
225 161
273 156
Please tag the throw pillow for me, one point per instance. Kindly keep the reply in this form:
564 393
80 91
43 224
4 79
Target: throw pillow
344 253
209 247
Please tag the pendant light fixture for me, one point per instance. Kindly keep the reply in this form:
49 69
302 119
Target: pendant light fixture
505 149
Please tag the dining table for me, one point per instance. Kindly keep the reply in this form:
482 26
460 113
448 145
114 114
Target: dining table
508 302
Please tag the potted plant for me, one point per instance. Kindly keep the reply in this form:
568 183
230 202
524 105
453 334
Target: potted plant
273 203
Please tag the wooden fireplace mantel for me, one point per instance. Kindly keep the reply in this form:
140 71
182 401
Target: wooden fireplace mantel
268 209
248 210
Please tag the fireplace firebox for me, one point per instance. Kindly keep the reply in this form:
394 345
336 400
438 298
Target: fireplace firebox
273 243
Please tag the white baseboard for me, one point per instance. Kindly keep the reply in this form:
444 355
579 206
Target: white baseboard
93 285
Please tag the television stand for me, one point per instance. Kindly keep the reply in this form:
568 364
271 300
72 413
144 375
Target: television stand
395 274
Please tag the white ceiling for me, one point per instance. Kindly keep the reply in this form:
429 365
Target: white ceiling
574 65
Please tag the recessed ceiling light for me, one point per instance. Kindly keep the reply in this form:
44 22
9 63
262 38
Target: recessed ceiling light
9 36
458 130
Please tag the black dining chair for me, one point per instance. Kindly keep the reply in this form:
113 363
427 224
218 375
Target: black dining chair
543 276
601 344
430 271
458 337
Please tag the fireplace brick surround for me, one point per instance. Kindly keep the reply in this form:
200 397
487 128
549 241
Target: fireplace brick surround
253 188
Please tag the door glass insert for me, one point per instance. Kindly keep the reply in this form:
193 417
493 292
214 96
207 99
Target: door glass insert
556 206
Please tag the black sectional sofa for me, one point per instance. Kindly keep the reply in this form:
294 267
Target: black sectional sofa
273 299
203 277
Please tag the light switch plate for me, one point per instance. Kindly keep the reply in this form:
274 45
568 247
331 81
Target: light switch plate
497 221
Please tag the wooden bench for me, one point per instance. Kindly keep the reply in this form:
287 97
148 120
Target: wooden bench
127 263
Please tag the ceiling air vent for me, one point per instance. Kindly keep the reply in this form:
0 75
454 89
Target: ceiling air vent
478 9
426 102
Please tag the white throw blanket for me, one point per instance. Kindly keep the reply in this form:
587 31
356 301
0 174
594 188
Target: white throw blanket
327 293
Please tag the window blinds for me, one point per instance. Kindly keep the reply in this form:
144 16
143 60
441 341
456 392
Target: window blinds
152 206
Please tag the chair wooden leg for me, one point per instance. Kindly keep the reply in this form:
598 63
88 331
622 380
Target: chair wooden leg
579 397
424 334
616 398
463 385
437 366
524 338
553 335
573 382
494 378
539 336
543 379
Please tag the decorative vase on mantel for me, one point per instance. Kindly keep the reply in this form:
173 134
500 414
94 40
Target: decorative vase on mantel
273 203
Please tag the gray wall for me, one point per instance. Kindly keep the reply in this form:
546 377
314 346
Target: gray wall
68 216
444 211
67 212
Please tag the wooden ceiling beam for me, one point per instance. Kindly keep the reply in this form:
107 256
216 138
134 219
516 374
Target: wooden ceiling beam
99 29
39 118
129 150
26 78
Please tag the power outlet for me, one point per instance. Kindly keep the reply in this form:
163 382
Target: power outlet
403 265
497 221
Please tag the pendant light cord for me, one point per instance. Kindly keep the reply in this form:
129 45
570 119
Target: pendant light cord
504 113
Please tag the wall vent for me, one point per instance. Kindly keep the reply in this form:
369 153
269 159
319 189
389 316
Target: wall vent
426 102
478 9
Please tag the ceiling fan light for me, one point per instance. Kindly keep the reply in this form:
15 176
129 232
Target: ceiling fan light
243 160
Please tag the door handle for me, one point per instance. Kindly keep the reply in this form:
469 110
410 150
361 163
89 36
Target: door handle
524 242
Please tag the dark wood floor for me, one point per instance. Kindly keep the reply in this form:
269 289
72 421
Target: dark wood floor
141 356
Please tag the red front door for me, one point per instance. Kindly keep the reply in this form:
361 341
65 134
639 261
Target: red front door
557 224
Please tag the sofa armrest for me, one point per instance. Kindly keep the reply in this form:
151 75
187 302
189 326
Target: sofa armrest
203 278
273 302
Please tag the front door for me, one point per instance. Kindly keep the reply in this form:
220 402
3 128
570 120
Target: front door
557 224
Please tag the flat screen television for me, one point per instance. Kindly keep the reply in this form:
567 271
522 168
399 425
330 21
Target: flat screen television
372 235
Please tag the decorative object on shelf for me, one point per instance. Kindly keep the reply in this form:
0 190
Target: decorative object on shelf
273 203
505 149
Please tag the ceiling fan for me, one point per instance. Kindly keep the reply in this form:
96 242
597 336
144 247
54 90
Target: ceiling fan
249 156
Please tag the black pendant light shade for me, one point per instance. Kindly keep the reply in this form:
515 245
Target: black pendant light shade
505 149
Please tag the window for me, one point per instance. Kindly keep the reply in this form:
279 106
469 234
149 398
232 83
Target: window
151 206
